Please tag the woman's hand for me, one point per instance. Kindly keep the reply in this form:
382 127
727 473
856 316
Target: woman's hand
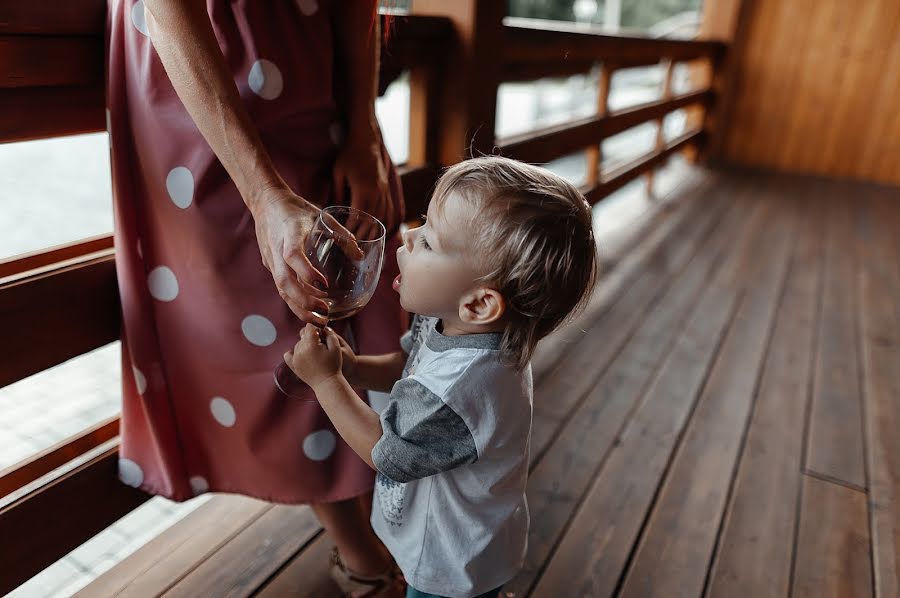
317 356
360 168
283 223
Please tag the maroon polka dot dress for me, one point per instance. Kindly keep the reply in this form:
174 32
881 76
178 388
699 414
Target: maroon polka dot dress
203 323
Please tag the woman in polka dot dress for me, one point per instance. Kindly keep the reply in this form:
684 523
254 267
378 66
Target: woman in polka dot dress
227 122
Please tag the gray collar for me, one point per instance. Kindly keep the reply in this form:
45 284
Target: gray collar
436 341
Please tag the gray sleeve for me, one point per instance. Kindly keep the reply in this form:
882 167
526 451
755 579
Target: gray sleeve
421 436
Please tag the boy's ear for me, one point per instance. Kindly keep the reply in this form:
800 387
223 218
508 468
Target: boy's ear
482 306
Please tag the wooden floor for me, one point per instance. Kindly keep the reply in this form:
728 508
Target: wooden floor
723 421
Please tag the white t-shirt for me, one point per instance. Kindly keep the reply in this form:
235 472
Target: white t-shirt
452 464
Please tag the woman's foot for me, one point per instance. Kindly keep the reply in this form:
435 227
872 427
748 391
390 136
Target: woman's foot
389 584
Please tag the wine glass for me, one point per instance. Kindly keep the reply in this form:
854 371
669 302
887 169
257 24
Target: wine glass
347 246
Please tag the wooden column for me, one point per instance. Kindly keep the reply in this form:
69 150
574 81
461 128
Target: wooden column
469 87
727 21
594 153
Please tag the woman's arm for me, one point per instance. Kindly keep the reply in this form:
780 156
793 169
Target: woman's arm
183 37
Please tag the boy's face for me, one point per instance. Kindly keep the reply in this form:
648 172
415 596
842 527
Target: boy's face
436 269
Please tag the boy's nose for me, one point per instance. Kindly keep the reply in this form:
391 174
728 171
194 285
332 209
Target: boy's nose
408 240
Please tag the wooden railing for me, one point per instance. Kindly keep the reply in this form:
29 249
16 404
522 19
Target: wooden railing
63 302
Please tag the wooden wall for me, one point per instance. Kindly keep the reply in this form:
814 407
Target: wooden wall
817 88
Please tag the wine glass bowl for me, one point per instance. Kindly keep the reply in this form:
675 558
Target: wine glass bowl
347 246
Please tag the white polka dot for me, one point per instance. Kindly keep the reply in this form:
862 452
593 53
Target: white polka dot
130 473
265 79
259 330
140 381
222 411
180 185
336 132
318 446
199 485
163 284
137 17
308 7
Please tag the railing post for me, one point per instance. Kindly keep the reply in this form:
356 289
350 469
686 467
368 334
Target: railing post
468 101
660 122
726 21
595 153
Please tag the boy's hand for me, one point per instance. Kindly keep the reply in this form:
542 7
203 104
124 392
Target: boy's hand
316 356
348 366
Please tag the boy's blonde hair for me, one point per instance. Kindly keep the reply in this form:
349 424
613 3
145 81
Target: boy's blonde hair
532 232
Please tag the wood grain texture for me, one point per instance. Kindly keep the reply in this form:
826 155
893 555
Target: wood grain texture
833 559
816 89
678 541
879 281
756 542
836 429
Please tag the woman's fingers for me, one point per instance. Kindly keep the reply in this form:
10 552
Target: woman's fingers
343 237
293 293
294 257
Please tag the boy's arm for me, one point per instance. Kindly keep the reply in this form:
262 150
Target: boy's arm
355 421
379 372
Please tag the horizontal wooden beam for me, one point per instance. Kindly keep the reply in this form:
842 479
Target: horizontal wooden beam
50 61
48 523
557 141
527 44
619 177
72 17
530 71
57 315
36 113
53 256
35 467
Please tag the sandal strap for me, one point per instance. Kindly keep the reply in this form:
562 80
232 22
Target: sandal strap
351 582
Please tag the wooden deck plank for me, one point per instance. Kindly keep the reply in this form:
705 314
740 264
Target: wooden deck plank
253 556
560 480
305 576
880 343
756 542
674 553
836 428
172 555
833 556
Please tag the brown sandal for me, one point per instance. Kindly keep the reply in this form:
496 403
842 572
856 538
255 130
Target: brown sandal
389 584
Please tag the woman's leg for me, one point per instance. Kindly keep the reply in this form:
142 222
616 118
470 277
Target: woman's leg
348 525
